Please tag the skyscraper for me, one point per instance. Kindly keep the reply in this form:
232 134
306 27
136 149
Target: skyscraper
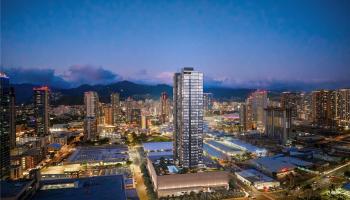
108 115
324 108
91 115
115 102
4 125
12 118
91 104
343 106
278 123
164 105
291 100
41 110
207 101
259 103
188 118
129 105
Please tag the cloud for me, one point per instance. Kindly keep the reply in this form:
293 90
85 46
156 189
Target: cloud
35 76
74 76
77 75
276 84
88 74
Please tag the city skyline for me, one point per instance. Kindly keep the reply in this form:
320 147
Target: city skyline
170 100
236 44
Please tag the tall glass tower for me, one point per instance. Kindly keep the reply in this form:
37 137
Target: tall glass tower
188 118
4 125
41 109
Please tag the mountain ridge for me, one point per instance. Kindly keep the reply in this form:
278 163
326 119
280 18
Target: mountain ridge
74 96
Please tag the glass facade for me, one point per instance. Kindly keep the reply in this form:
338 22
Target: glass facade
4 125
188 118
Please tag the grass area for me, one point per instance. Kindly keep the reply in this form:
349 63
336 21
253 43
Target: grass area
159 138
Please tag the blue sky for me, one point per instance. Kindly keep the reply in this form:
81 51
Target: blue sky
235 43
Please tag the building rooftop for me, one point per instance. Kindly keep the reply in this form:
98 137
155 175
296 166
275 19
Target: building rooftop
158 146
245 146
12 188
113 153
213 152
254 176
99 187
159 154
223 147
280 163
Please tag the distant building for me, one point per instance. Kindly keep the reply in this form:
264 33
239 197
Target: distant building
129 105
5 122
258 180
92 115
188 118
165 109
91 104
278 123
259 103
115 103
343 106
90 128
135 117
243 117
12 118
291 101
252 113
144 122
108 115
324 108
207 101
250 122
41 110
305 108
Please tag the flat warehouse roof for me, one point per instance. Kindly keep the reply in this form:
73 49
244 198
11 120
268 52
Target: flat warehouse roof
97 154
157 146
254 176
99 187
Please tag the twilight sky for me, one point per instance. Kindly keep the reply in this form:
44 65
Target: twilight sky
235 43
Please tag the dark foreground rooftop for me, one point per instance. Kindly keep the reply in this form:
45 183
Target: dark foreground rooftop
101 187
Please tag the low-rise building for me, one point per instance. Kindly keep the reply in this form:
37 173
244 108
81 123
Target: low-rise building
254 178
99 187
279 166
179 184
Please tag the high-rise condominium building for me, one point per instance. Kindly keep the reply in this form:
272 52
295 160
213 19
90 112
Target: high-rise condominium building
207 101
278 123
292 101
259 103
164 105
188 118
115 102
108 115
12 118
343 106
4 125
324 108
91 104
92 115
41 110
252 111
129 105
